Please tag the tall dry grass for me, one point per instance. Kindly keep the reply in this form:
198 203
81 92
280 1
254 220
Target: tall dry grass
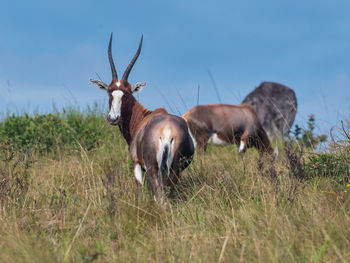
82 207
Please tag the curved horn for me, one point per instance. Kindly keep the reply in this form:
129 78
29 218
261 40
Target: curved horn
128 69
110 58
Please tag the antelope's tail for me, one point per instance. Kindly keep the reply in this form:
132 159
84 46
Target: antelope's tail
164 159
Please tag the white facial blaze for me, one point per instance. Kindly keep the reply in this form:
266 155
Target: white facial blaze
114 112
118 84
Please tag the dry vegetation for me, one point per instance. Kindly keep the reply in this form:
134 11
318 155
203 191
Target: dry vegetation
75 205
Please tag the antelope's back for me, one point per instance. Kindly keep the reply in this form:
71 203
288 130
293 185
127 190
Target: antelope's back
166 127
222 116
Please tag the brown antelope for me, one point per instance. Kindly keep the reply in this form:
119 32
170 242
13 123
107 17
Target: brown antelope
223 124
159 143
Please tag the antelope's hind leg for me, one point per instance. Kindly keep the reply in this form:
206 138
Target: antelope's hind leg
157 187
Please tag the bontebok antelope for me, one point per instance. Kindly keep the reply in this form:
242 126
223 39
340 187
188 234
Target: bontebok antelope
159 143
223 124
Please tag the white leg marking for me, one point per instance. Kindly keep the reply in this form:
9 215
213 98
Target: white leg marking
216 140
241 147
138 173
193 139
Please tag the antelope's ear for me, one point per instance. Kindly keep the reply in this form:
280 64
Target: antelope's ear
100 84
138 87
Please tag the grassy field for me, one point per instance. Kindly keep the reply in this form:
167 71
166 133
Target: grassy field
67 194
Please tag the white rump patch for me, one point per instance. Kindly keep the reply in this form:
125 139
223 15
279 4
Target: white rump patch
138 173
193 139
114 113
216 140
166 133
241 146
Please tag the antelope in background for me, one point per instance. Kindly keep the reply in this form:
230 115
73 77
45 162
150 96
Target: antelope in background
223 124
159 143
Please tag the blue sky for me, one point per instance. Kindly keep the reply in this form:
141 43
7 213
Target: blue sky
49 50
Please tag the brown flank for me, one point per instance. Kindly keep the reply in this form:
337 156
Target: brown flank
231 124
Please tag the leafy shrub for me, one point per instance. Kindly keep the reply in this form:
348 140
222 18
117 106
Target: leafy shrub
336 163
39 133
54 132
335 166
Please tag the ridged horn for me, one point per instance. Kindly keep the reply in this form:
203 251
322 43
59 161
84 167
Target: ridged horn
110 58
129 68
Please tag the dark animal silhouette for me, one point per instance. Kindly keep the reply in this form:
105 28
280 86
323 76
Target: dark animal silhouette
275 105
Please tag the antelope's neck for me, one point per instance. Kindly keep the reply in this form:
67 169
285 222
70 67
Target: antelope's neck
132 114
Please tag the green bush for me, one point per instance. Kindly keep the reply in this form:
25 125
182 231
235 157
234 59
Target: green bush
334 166
54 132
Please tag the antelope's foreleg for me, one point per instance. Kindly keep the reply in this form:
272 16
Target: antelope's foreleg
202 142
243 142
138 178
